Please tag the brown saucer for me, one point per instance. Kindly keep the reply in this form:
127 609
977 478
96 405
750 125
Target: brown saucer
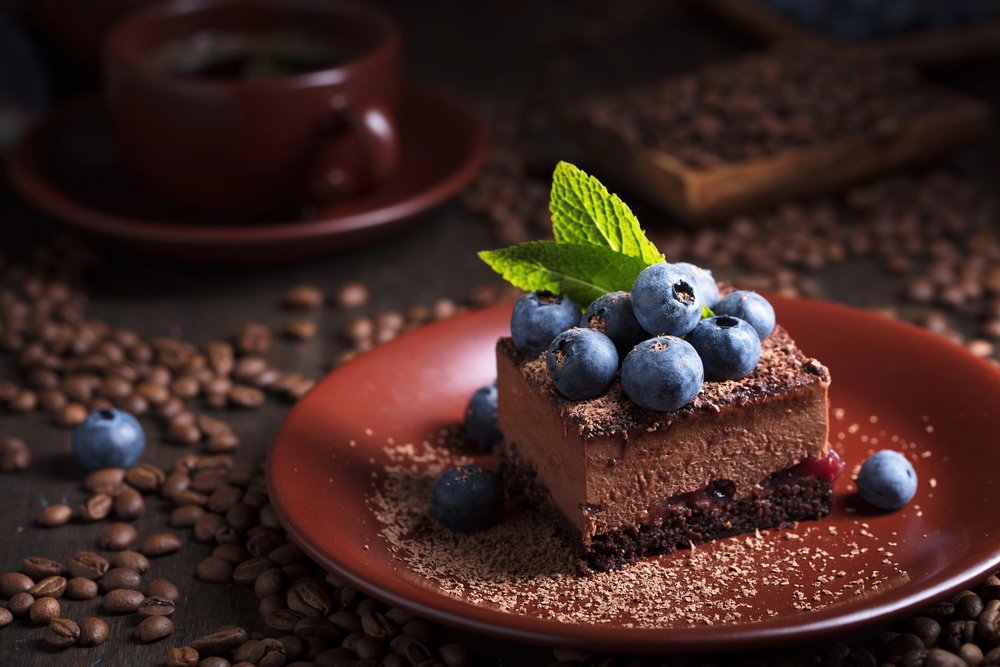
70 167
894 386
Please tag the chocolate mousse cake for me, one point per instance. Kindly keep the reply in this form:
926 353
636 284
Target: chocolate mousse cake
624 482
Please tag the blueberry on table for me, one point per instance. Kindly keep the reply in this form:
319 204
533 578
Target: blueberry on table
612 315
108 438
582 363
662 373
467 498
481 416
750 307
887 480
539 317
708 289
665 300
729 347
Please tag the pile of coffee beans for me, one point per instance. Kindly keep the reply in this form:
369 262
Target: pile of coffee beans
760 105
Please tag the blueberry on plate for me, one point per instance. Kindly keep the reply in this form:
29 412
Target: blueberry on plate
662 373
481 416
665 300
539 317
612 315
729 347
467 498
750 307
108 438
708 289
582 363
887 480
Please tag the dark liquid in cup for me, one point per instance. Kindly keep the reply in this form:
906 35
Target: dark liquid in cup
222 55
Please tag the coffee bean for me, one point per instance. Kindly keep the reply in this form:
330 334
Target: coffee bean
312 626
43 610
14 454
245 396
304 296
221 641
88 564
249 367
232 553
347 621
96 508
12 583
220 357
360 330
180 433
247 572
300 329
165 589
214 661
129 504
972 654
72 414
241 516
160 544
62 632
223 497
940 658
122 601
351 295
283 620
56 514
264 542
93 631
927 629
333 657
118 537
121 577
53 586
104 480
184 656
988 622
253 338
154 628
25 401
155 605
145 477
81 588
6 617
133 560
309 598
38 567
271 604
247 651
186 516
294 646
378 626
286 554
215 569
968 605
269 582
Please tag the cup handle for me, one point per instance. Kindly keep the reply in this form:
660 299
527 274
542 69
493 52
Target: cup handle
376 133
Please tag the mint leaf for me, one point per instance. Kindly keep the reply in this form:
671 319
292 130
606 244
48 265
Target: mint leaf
706 312
583 211
580 271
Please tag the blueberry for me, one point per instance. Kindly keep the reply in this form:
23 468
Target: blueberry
108 438
750 307
538 318
729 347
665 300
708 289
612 315
481 416
887 480
467 498
662 373
582 363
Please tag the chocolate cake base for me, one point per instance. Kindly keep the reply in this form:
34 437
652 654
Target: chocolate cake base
677 522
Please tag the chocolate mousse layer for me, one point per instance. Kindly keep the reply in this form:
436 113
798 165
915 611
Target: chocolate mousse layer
607 464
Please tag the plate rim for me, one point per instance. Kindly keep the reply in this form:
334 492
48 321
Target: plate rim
822 624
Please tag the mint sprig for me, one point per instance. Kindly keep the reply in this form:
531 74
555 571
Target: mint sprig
581 272
599 246
583 211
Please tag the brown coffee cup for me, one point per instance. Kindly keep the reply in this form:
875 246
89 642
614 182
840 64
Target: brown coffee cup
252 147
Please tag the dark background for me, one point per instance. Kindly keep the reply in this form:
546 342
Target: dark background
499 57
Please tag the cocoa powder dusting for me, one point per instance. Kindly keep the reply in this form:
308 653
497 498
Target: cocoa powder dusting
520 566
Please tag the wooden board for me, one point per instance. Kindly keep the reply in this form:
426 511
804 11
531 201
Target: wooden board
698 194
937 45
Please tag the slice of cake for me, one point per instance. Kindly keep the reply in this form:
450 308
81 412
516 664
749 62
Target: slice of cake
626 482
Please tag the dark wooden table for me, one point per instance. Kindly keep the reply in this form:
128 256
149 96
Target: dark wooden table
480 52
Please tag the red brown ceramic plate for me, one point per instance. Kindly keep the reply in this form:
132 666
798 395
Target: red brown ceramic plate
71 167
922 389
